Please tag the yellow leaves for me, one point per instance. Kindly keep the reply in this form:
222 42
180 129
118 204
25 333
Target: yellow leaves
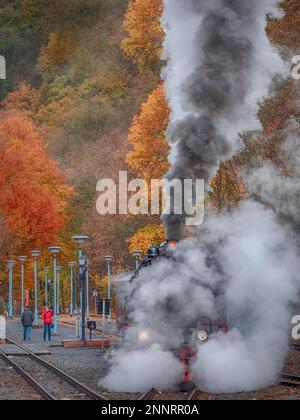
75 107
53 55
275 111
145 33
148 137
57 113
149 157
151 234
227 187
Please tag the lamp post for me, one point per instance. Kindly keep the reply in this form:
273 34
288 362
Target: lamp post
72 267
58 268
55 250
10 265
82 280
35 255
46 272
137 254
80 240
22 260
109 260
87 286
49 291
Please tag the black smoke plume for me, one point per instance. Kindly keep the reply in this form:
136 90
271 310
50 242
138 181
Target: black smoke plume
219 63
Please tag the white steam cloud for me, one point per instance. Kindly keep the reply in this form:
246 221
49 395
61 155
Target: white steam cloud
261 261
279 189
143 369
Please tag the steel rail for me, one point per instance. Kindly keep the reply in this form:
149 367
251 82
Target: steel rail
63 375
294 346
192 394
38 387
292 376
289 379
147 395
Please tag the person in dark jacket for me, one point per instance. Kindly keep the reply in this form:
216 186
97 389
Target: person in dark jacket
27 320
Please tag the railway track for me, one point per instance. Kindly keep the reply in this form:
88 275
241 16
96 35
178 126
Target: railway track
49 381
53 384
288 379
295 346
154 395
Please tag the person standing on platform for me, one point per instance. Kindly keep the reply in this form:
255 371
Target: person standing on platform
27 321
48 322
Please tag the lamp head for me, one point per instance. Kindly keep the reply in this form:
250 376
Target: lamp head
10 263
22 259
137 253
80 239
35 254
54 250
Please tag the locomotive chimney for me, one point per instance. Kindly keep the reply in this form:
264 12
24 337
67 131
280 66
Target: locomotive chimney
174 227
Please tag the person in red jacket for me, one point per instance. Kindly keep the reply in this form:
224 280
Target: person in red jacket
48 321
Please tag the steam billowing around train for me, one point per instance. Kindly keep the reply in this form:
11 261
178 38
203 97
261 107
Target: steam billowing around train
210 310
182 334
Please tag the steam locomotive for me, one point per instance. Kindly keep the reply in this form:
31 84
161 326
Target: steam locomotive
189 336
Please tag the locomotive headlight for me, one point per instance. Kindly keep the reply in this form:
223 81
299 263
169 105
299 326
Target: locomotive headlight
144 336
202 335
172 244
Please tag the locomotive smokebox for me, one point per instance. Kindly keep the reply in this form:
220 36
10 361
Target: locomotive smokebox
166 248
174 226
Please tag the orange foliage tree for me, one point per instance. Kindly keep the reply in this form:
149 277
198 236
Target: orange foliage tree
148 138
145 34
148 158
24 99
33 192
227 187
151 234
276 110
